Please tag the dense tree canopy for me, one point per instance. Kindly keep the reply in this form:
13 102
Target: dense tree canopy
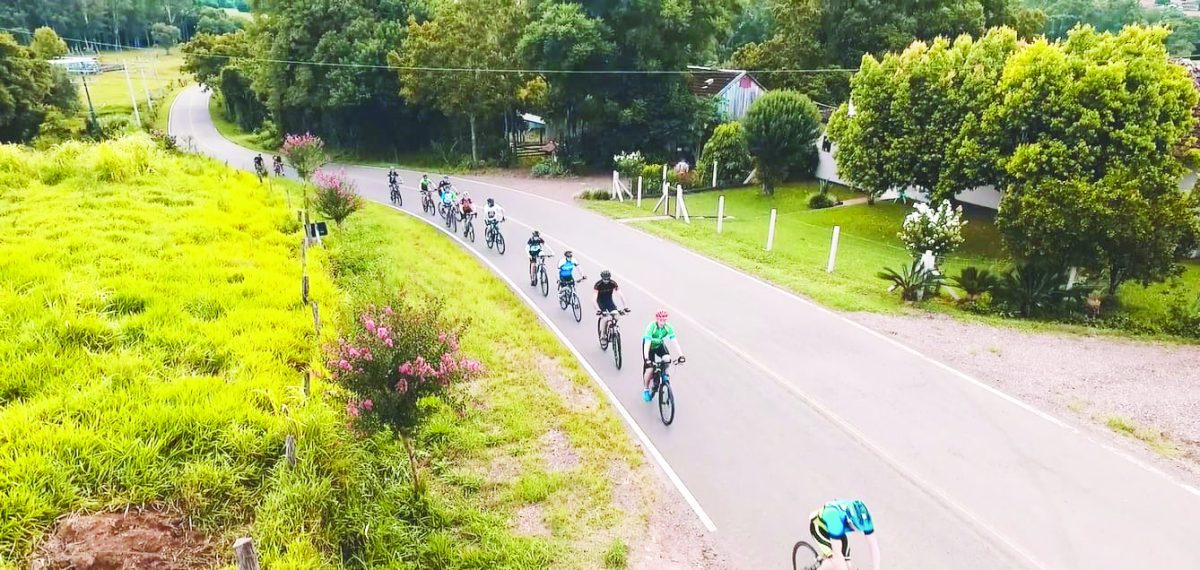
46 44
29 87
114 22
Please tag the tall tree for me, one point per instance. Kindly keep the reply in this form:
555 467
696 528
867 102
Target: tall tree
46 44
165 36
457 38
27 90
781 133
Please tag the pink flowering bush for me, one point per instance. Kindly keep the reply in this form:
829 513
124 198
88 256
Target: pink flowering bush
336 195
393 357
305 153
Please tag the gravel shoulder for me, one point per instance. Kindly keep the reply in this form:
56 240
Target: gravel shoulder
1145 396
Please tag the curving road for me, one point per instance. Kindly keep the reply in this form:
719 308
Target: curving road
784 404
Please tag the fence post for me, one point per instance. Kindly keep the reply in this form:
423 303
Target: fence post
1071 278
715 166
289 450
771 231
137 117
639 199
244 554
837 230
316 318
307 381
616 190
680 205
720 212
304 288
664 180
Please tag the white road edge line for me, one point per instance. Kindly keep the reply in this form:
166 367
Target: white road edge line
645 440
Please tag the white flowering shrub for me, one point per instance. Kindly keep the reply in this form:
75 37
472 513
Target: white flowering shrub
936 229
629 164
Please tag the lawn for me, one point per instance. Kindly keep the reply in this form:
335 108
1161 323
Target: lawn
153 340
868 243
110 91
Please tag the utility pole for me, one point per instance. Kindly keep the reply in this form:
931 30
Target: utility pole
149 101
137 117
95 124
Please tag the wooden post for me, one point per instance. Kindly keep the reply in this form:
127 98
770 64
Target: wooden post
289 450
680 205
244 554
316 318
639 199
664 180
771 231
307 381
1071 278
720 212
837 230
616 188
304 289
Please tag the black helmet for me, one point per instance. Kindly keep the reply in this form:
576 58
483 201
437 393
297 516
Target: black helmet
491 202
536 233
606 275
568 253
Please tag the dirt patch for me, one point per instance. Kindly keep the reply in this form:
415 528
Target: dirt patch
1154 386
557 452
137 540
504 469
530 521
625 492
577 398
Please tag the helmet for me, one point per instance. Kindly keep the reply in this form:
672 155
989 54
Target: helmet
466 194
424 176
661 315
491 202
859 516
536 233
446 178
606 275
568 253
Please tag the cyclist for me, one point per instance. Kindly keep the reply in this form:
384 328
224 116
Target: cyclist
277 163
449 198
534 246
425 182
393 177
833 521
259 168
566 270
654 344
444 184
466 204
492 214
605 288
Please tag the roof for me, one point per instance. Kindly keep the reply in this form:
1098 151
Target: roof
708 81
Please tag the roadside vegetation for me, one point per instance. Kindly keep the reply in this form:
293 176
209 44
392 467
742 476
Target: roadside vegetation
154 353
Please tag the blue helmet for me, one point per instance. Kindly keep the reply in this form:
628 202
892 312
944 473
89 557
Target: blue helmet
856 511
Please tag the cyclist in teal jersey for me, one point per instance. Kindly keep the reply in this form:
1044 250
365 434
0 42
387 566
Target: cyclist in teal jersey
836 519
654 345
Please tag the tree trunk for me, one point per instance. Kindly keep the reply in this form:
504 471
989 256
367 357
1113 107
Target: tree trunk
412 464
1115 277
474 153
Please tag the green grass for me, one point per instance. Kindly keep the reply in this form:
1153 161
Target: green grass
868 243
1157 441
152 340
230 130
617 555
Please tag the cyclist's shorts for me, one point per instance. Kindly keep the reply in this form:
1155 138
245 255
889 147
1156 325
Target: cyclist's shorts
607 305
566 281
816 527
533 256
660 351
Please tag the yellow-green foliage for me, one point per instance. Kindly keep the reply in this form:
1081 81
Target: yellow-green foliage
151 334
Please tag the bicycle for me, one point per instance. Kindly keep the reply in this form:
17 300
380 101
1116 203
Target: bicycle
278 169
260 171
538 273
660 386
427 203
568 298
469 232
450 215
805 557
609 332
492 235
397 199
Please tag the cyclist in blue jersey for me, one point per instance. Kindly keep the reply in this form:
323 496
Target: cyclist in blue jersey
654 344
836 519
566 270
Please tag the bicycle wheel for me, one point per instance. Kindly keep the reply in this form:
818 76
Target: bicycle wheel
544 280
666 403
399 198
470 231
616 348
805 557
563 299
489 236
601 333
576 308
499 242
453 222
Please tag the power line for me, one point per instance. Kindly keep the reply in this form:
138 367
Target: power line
465 69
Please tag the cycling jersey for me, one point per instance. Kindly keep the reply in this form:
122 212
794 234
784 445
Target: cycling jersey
566 269
835 518
604 298
655 335
449 197
535 244
466 205
425 184
493 213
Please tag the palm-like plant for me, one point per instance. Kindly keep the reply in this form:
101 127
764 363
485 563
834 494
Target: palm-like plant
974 282
914 282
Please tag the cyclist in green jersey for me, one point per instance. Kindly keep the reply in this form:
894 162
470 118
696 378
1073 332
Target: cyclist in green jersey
654 345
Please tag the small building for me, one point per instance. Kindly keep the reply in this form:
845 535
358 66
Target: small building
78 65
736 89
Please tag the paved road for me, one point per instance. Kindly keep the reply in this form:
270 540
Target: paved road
783 405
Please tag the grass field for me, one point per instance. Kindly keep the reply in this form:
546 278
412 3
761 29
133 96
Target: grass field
153 338
868 243
110 92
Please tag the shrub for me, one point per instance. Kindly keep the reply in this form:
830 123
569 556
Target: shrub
821 200
651 176
1032 287
629 164
933 229
729 149
125 158
913 281
336 195
975 282
548 167
163 140
305 153
781 133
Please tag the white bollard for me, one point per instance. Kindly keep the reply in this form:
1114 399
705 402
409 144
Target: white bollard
639 201
720 213
771 231
837 230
